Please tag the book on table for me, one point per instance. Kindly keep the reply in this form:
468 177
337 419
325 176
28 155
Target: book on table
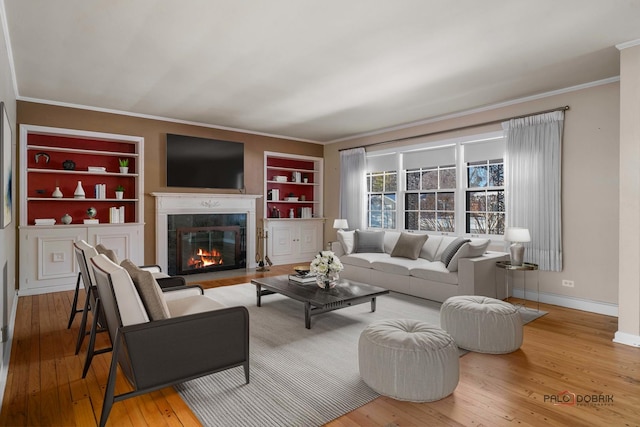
307 278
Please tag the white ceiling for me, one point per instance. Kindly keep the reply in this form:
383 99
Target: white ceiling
311 70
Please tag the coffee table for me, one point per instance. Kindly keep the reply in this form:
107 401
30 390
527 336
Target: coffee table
316 300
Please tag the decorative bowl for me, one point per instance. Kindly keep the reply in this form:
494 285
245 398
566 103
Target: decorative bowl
302 270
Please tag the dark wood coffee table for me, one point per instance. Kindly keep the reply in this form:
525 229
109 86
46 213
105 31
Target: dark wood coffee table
317 300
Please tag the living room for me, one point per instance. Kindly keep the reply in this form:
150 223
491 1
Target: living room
599 166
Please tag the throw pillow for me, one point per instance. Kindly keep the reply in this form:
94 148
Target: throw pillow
149 291
409 245
470 249
368 241
108 253
346 239
451 250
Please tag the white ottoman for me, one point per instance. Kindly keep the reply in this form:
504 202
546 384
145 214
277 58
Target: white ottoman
408 360
481 324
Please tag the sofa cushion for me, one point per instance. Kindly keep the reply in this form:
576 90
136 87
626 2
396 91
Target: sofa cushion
149 291
430 248
444 243
452 248
368 241
346 239
362 260
390 239
398 265
193 304
409 245
435 272
471 249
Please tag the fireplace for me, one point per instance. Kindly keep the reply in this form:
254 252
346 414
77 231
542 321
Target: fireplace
198 233
200 243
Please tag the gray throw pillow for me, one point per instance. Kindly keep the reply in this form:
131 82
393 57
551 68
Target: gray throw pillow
451 250
368 241
149 291
108 253
409 245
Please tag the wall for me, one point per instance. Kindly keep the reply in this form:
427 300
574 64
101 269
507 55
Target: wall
154 133
7 235
590 185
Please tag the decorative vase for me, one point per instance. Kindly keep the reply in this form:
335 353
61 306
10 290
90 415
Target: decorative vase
119 194
69 165
57 194
79 193
66 219
124 169
327 281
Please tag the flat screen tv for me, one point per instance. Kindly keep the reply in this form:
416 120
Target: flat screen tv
204 163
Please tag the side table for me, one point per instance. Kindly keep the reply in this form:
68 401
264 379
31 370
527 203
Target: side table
526 266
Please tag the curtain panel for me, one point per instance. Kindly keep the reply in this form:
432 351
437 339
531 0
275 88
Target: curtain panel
352 186
533 185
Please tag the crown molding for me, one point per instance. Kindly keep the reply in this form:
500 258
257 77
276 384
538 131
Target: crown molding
628 44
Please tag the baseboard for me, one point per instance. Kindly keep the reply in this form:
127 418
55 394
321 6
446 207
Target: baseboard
627 339
6 355
599 307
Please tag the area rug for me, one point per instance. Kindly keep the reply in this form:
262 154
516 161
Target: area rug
298 376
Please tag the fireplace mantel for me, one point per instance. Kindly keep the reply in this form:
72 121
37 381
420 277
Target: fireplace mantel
199 203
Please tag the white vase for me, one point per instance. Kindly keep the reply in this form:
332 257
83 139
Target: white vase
79 193
124 169
66 219
119 194
57 194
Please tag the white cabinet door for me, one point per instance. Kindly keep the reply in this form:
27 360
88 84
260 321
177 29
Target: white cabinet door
293 241
282 239
310 238
124 240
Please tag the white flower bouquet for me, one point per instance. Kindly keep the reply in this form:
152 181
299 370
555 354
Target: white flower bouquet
326 262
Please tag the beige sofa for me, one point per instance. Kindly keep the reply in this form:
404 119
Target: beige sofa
471 271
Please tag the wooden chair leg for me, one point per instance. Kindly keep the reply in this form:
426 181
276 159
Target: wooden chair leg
74 306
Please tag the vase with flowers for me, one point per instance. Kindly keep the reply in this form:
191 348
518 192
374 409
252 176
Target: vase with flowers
326 266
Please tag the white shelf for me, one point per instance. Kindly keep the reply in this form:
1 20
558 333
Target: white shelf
73 199
78 172
81 151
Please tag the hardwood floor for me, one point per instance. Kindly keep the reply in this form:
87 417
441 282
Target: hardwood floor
565 351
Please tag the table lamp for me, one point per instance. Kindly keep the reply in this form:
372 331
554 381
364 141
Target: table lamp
517 236
340 224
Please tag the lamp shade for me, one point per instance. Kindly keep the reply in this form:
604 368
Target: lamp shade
517 234
340 224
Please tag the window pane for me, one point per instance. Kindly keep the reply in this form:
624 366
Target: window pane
411 220
476 223
446 221
389 200
495 201
428 221
411 201
375 219
389 219
377 183
495 223
391 182
413 181
477 176
446 201
428 201
430 180
496 175
476 201
448 178
375 202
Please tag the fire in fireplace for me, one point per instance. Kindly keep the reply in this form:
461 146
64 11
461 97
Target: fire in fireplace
202 249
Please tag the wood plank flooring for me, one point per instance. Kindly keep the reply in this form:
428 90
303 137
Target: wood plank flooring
565 351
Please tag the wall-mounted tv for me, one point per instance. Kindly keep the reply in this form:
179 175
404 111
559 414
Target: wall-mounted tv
204 163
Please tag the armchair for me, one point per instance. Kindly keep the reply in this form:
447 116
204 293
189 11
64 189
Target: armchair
155 354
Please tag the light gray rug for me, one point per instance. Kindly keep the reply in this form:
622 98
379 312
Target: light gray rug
298 376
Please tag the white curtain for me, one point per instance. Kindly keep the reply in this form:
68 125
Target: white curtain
352 186
533 170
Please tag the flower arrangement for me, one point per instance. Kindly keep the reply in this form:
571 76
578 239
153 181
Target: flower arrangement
326 262
326 265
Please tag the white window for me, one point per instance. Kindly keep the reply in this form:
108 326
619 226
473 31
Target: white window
382 190
430 198
485 197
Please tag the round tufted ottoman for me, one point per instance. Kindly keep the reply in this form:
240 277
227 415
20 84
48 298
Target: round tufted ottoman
408 360
481 324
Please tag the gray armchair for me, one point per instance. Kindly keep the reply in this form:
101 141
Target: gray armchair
198 338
